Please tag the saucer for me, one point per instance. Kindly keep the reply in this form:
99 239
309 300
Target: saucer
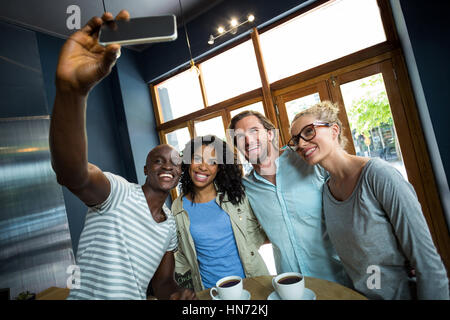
308 294
245 296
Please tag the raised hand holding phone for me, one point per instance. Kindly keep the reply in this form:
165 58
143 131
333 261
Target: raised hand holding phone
139 30
83 62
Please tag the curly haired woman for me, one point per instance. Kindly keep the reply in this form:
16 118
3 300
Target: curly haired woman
218 233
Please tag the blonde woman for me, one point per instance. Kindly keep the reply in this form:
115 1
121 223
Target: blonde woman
372 214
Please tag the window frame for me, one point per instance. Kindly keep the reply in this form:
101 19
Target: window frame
271 93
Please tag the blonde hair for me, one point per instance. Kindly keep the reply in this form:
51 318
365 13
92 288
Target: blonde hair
324 111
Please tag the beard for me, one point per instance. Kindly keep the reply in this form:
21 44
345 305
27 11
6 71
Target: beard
260 157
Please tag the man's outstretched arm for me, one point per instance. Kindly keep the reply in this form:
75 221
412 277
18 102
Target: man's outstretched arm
82 64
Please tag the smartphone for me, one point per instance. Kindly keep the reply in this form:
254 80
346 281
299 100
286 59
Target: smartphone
139 30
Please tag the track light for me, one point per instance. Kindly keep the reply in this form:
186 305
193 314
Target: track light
211 39
234 25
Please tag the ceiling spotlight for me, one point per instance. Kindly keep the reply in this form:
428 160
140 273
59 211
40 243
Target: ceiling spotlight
234 25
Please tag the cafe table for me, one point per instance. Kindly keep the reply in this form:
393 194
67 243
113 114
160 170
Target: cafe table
261 287
53 293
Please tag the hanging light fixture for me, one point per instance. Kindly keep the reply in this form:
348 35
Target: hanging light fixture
234 25
194 69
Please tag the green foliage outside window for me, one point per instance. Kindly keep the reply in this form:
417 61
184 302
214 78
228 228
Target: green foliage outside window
371 110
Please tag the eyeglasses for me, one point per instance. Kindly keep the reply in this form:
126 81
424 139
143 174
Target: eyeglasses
307 133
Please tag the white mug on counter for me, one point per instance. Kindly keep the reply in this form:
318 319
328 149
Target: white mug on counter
228 288
289 285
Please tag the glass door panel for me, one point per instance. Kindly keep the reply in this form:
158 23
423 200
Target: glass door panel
290 103
384 120
380 119
297 105
371 124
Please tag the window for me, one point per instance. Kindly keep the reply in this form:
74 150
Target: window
212 126
179 96
371 123
255 107
178 138
231 73
327 51
297 105
325 33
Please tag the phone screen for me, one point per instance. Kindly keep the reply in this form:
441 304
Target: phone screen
139 30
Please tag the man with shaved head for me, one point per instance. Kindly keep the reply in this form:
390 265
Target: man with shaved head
129 237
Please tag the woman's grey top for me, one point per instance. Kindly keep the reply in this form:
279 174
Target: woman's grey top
380 227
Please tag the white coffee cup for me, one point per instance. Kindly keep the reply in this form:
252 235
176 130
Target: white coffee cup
293 286
228 288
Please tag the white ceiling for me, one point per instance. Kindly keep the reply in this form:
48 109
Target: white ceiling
49 16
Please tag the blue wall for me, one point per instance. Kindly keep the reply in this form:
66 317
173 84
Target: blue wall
429 32
138 109
21 82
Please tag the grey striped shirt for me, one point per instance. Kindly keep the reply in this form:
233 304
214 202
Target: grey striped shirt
121 245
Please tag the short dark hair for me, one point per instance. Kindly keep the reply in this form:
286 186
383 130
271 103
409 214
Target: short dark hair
265 122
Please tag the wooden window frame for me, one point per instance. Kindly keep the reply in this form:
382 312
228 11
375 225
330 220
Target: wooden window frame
290 93
268 93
